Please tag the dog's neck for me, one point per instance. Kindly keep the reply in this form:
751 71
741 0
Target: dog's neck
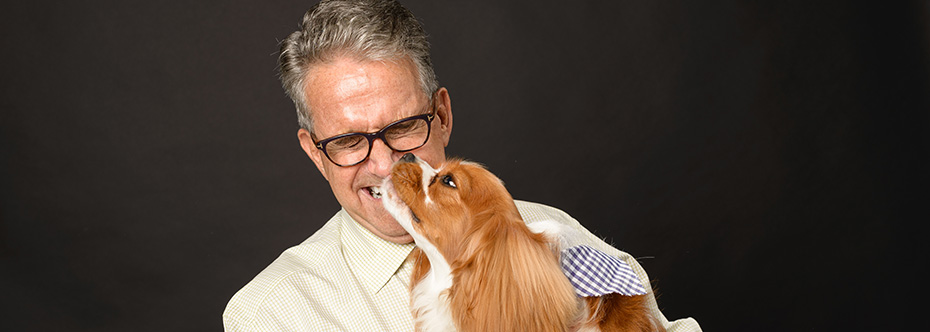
440 274
430 296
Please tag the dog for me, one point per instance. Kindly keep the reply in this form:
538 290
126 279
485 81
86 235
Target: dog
478 267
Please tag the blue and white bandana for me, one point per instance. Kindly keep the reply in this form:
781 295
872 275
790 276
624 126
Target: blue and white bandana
595 273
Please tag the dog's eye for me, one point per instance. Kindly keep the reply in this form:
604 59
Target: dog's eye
447 180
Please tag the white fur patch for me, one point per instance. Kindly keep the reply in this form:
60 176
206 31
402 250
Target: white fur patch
429 298
428 173
560 234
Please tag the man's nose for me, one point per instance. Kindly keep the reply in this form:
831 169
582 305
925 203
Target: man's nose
380 159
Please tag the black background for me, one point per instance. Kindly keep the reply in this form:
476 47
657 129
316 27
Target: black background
765 160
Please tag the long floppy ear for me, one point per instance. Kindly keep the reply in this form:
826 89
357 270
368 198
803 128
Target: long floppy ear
509 280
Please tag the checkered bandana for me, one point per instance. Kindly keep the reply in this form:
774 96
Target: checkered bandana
594 273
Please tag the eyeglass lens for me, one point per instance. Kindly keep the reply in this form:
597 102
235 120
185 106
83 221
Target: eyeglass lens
401 136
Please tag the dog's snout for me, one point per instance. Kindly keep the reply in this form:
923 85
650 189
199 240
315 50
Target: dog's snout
408 158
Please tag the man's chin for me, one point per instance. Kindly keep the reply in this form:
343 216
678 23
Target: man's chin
391 233
403 239
380 223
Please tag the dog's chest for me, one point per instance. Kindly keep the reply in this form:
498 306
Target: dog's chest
430 301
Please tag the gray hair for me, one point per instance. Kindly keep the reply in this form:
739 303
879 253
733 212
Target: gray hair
373 30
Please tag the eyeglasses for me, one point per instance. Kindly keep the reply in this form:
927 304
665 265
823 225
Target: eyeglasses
402 135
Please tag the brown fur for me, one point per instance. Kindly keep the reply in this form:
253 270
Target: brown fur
615 312
505 278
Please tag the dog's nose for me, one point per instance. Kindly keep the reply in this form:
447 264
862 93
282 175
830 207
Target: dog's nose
408 158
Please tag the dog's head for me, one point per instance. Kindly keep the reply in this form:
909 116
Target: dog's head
441 206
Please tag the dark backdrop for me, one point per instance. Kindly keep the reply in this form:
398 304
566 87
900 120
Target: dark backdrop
765 160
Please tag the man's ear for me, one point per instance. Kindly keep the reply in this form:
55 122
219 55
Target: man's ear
306 142
443 106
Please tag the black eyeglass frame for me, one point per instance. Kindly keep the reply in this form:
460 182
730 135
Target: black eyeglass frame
380 135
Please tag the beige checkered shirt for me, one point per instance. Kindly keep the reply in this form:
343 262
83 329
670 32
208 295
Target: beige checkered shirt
344 278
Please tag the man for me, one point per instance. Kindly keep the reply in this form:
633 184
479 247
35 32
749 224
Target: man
360 75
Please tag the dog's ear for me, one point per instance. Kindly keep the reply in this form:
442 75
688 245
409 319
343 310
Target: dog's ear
503 261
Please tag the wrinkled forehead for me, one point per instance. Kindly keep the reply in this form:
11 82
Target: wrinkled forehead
361 96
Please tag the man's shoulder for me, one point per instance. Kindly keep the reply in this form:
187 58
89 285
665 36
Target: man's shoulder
533 212
309 266
311 254
536 212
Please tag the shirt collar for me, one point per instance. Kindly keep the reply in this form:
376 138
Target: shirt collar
372 259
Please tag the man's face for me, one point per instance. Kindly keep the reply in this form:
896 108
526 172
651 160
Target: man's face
348 96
